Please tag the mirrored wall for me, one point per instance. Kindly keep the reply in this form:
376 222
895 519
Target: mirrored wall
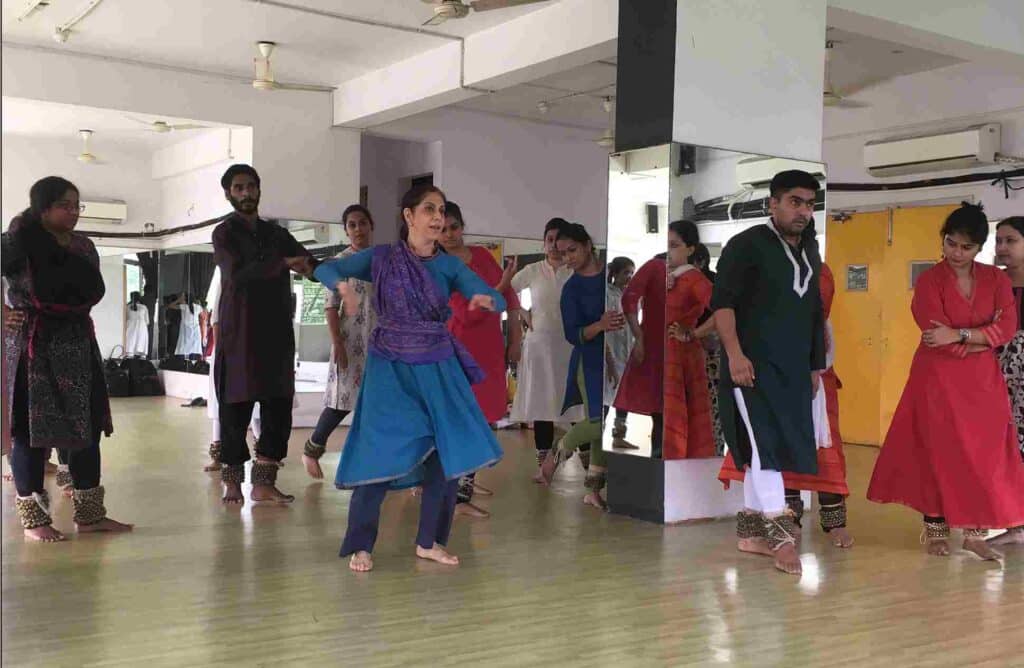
663 368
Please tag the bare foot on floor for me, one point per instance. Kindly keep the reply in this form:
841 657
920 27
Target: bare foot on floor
841 537
981 548
468 509
105 524
481 490
269 494
313 467
361 562
938 547
787 560
438 554
416 492
1013 536
595 499
214 465
233 494
754 546
45 534
538 478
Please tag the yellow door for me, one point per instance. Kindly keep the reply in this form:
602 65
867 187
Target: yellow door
913 242
855 251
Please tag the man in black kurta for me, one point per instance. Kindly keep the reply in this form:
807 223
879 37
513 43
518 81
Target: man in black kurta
769 316
255 359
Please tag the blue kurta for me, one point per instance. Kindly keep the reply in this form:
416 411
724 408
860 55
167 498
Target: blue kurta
406 411
582 305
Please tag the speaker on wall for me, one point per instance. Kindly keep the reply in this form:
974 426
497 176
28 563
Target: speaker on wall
652 218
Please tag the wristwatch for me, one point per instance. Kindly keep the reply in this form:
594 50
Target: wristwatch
965 335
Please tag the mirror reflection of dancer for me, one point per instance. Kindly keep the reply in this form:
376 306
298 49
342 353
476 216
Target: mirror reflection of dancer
255 359
768 314
540 386
585 321
416 420
136 342
480 332
617 345
830 481
55 393
689 433
350 319
952 452
712 347
1010 254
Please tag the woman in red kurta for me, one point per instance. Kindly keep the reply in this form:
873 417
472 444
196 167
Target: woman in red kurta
951 452
481 333
641 390
830 481
689 433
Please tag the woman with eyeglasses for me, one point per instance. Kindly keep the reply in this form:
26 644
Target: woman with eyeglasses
951 451
55 392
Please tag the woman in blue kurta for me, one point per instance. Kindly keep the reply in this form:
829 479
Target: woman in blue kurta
585 321
416 420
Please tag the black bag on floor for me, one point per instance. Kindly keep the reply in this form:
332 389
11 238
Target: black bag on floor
173 363
201 367
115 371
145 381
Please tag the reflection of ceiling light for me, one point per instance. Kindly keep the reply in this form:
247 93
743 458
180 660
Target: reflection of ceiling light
607 140
608 104
543 107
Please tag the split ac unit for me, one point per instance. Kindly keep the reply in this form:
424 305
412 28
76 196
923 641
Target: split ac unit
104 213
758 172
957 149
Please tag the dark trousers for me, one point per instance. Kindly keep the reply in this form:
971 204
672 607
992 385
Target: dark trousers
657 435
329 420
620 415
436 511
275 423
28 464
543 435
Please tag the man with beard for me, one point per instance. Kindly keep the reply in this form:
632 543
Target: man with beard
256 351
769 316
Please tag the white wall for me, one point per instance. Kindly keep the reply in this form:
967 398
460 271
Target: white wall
749 75
383 163
124 175
309 169
948 98
108 315
511 176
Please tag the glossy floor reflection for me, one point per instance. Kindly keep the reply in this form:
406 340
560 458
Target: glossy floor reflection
546 581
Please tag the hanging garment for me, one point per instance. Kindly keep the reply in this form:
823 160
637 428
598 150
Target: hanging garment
136 340
190 340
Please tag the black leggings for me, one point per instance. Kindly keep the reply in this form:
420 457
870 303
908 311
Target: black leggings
329 420
543 434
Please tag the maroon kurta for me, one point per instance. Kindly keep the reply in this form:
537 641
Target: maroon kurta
641 389
256 351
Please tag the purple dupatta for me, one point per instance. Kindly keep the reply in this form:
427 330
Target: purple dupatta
413 314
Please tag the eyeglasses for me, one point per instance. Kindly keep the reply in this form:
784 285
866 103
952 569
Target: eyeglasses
70 207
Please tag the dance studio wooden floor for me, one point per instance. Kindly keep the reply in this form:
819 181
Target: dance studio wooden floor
545 582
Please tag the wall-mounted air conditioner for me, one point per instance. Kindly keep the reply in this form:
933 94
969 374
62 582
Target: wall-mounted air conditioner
957 149
758 172
104 213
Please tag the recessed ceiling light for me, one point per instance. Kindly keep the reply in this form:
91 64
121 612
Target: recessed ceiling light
897 51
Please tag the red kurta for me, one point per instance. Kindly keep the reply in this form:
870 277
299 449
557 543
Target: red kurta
641 388
689 433
951 450
831 475
480 332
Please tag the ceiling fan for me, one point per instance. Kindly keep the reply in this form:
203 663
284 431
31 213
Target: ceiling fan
264 75
163 127
457 9
86 157
831 97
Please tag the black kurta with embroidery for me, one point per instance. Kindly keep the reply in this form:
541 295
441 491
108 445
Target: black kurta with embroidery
255 356
773 288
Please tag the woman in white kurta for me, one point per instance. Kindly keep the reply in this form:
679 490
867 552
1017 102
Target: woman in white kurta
136 342
190 341
618 344
350 319
544 364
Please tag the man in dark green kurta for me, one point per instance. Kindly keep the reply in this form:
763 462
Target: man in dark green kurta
769 316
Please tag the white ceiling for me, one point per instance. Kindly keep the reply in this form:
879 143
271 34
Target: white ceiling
218 36
858 61
34 118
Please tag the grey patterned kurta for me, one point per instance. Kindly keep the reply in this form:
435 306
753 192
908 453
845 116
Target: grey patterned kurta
343 384
67 393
